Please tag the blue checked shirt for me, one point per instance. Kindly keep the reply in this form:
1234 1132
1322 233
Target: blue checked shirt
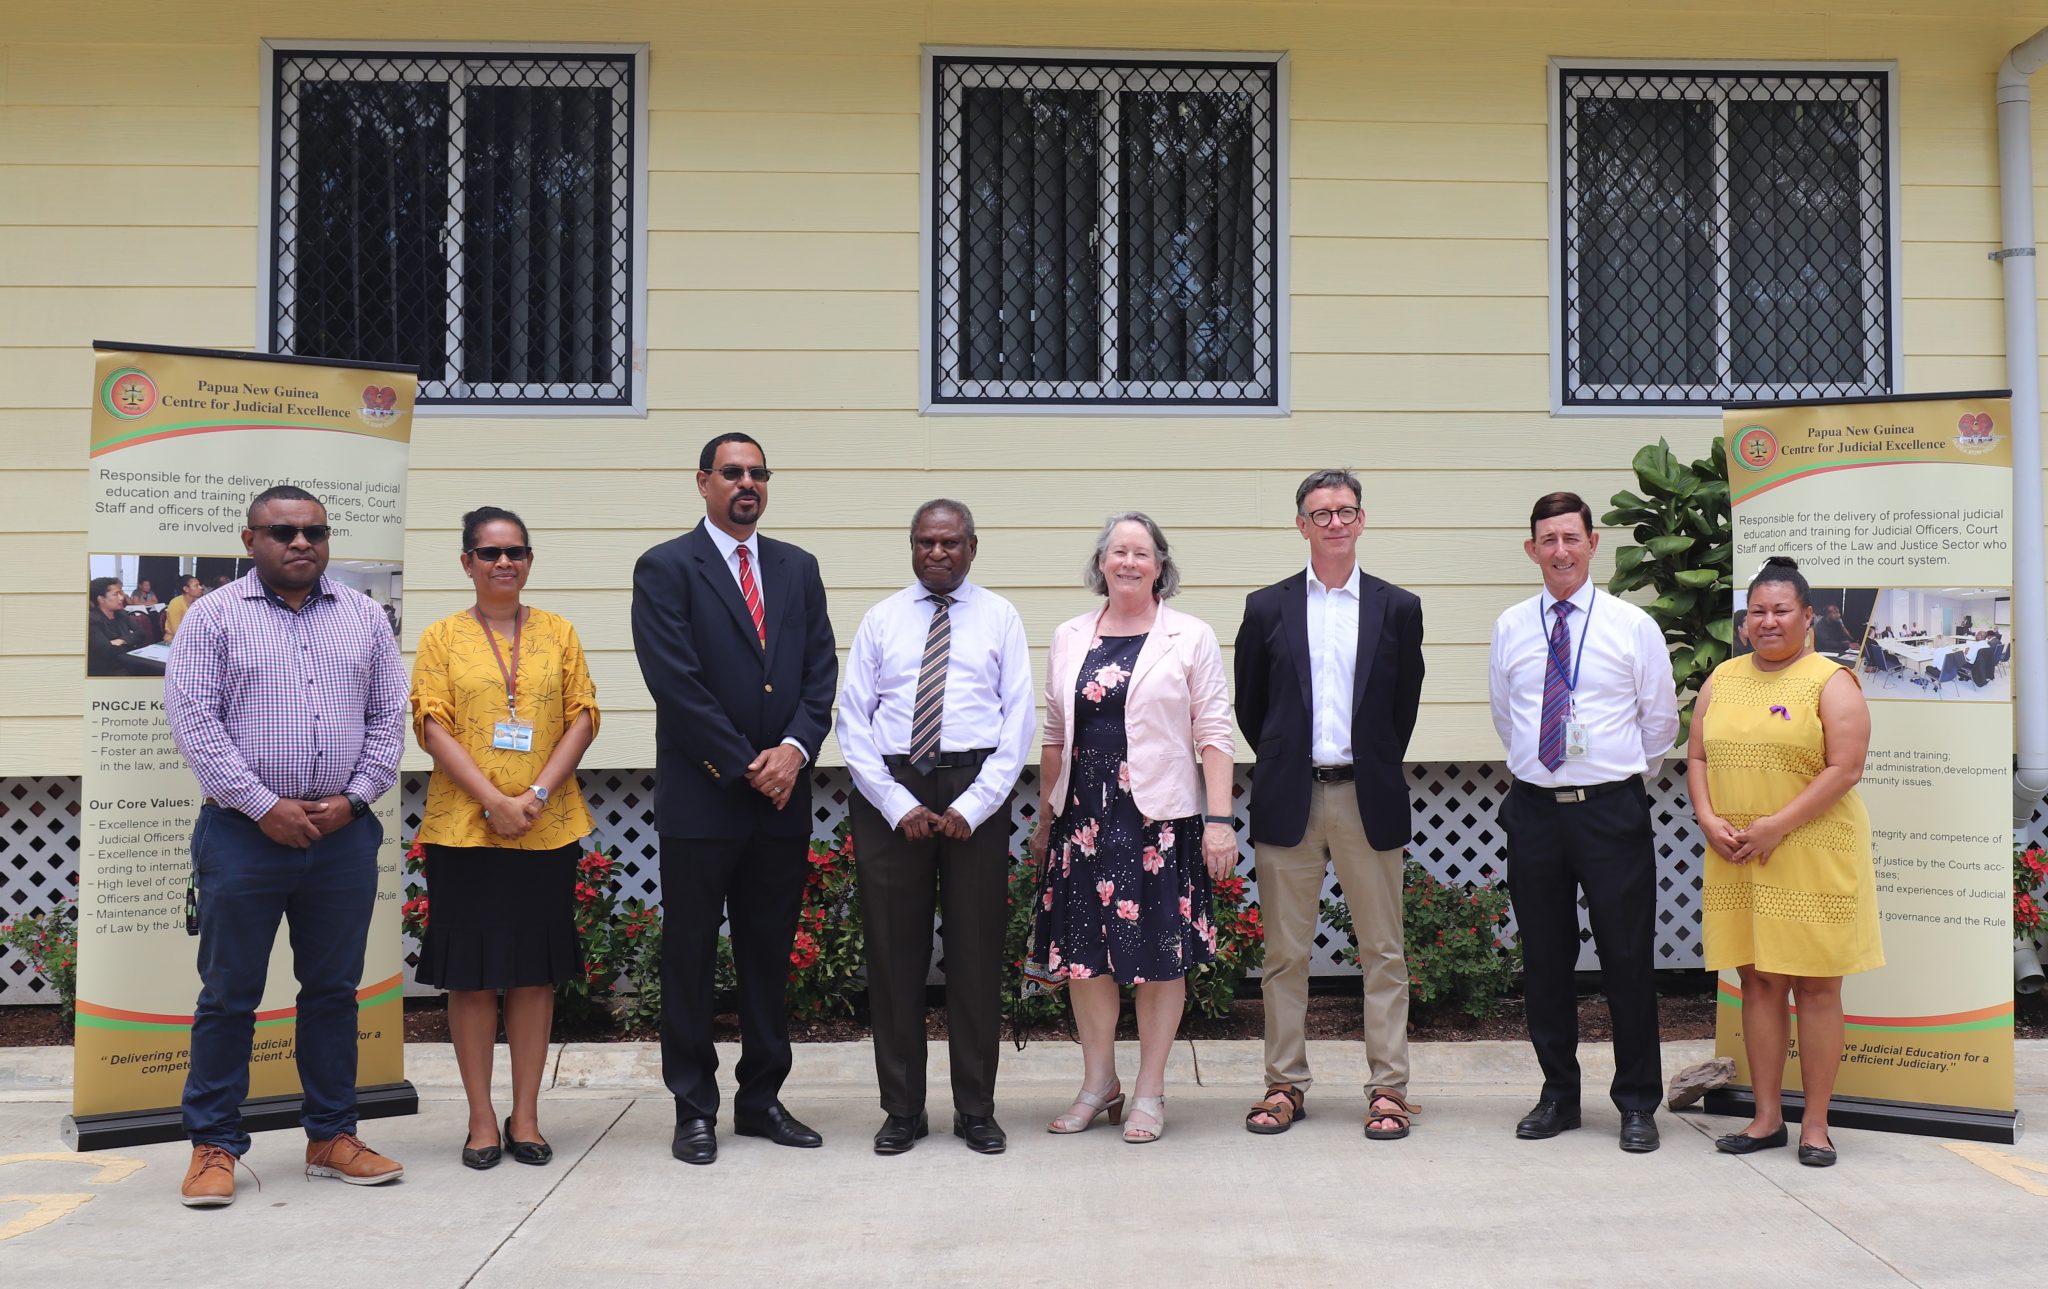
267 703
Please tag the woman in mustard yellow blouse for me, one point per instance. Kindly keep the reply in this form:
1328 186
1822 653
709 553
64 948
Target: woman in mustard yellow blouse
1789 892
502 701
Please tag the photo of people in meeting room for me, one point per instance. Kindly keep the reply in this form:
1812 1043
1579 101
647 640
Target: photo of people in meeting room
1937 644
135 603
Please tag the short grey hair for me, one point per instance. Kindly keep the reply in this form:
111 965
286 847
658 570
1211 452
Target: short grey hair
1165 586
947 505
1328 479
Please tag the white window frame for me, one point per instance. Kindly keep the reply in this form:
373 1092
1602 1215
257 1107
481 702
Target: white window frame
1562 261
938 301
472 64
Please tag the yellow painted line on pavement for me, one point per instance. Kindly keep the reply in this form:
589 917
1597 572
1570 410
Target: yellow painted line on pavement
2011 1168
45 1209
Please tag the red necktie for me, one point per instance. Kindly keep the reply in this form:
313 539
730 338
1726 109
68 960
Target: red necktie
750 591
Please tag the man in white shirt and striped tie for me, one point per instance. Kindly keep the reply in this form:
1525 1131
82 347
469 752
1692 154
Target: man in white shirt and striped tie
1583 698
935 721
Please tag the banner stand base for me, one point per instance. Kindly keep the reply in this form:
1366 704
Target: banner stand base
1999 1126
259 1114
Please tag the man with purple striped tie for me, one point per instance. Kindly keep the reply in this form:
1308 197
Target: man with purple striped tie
1583 699
935 722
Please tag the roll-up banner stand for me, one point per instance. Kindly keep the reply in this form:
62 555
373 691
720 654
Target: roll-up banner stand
181 440
1899 511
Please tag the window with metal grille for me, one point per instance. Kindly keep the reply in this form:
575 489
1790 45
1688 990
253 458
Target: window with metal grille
473 214
1724 236
1104 232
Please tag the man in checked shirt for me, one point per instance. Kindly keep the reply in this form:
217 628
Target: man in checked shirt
287 697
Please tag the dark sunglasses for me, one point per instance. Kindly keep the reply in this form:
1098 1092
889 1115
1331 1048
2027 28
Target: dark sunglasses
492 554
286 534
735 473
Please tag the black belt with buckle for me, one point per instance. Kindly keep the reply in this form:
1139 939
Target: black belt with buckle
1568 796
940 760
1330 773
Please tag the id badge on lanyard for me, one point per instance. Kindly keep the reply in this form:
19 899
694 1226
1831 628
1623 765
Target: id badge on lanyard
510 734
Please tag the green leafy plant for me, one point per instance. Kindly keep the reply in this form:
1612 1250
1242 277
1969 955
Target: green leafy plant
1240 944
48 940
827 967
1020 1008
1456 955
1685 553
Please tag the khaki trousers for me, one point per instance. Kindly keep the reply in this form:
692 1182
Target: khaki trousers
1290 887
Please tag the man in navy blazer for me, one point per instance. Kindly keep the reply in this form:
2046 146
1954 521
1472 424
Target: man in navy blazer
1329 679
735 647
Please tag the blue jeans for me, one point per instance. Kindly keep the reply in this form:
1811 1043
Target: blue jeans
326 893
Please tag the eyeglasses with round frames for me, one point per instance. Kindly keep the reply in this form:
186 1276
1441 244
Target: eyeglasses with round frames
1345 515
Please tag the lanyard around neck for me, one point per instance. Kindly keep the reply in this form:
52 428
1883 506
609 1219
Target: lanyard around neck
1571 680
511 674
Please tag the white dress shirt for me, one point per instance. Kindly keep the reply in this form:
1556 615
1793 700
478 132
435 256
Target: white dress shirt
728 548
988 696
1333 665
1625 697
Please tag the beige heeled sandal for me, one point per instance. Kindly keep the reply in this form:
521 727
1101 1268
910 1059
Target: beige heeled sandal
1096 1105
1153 1108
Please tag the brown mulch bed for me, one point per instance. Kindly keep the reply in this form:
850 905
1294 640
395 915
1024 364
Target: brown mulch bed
1681 1016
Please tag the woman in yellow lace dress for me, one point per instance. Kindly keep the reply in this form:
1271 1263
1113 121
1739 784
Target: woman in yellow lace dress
503 702
1790 893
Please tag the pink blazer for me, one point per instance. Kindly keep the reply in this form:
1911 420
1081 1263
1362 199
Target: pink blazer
1178 704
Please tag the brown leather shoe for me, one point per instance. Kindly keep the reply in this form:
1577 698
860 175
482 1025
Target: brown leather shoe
345 1158
210 1180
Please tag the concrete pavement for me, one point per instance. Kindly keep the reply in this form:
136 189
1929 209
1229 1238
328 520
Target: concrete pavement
1459 1203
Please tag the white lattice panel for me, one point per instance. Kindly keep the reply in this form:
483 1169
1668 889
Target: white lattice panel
1456 837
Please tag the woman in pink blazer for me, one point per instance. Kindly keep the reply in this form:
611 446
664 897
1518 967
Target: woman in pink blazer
1131 829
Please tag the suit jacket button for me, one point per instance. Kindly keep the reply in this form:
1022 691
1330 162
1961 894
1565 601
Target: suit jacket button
767 689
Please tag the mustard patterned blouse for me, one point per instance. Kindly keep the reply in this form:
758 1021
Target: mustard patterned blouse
457 682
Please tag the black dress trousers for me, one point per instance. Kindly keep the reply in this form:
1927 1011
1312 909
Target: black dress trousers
1604 847
902 883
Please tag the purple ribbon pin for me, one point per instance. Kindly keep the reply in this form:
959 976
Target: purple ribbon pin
1779 711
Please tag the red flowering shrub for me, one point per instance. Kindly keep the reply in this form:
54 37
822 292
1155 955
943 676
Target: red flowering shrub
1458 955
49 942
826 964
1240 948
2029 879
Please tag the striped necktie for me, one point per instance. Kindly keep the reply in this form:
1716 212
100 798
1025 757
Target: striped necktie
750 591
930 710
1557 694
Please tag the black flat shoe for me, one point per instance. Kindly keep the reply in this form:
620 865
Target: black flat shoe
1547 1120
527 1152
1736 1143
1639 1132
981 1132
779 1126
482 1157
899 1132
1817 1156
695 1142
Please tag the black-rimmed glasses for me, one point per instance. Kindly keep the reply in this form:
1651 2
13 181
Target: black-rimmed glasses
492 554
286 534
1345 515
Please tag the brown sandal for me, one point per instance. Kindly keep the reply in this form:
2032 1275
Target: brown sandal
1402 1116
1283 1115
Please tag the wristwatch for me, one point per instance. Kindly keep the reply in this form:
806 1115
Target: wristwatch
357 807
540 793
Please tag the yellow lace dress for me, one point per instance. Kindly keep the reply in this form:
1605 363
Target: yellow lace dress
1812 909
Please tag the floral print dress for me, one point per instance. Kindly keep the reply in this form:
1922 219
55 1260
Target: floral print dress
1121 894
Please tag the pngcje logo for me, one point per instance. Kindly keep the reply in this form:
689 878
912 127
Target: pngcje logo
1976 434
1756 447
380 404
129 394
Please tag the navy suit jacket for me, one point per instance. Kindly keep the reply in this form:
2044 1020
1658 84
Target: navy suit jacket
720 697
1274 701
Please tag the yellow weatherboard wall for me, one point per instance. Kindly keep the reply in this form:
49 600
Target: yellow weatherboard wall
783 260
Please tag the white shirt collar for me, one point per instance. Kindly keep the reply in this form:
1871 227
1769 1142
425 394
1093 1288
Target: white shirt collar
727 543
961 593
1350 586
1581 600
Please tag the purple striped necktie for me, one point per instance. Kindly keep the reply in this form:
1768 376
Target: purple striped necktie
1557 694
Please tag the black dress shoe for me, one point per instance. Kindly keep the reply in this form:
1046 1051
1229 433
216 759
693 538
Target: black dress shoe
1547 1120
527 1152
1638 1131
1817 1156
777 1125
981 1132
1736 1143
899 1132
696 1141
482 1157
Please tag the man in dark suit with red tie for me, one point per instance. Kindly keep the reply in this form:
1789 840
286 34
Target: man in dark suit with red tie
1329 680
735 646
